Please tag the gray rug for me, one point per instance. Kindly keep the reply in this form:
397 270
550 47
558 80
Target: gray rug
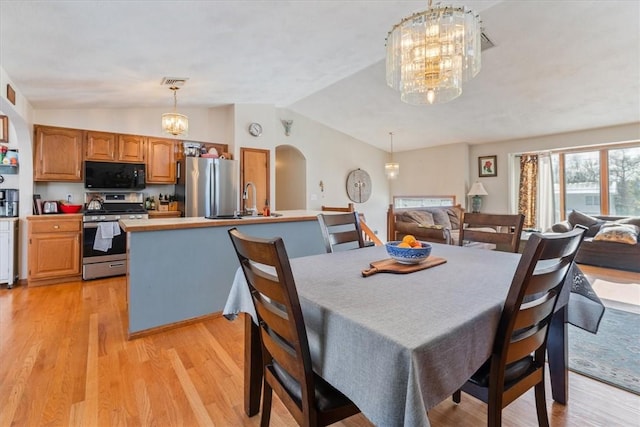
613 354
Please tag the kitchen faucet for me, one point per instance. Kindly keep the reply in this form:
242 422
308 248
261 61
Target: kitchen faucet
254 209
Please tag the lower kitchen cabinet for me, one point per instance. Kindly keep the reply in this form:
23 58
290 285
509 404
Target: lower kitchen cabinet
54 253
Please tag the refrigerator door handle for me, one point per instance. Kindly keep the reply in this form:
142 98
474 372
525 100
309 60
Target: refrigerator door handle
178 170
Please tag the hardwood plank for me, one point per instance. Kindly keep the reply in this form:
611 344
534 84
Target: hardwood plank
66 361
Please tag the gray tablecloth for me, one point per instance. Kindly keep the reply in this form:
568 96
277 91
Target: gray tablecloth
397 344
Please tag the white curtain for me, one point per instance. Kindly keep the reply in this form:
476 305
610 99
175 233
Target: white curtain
545 192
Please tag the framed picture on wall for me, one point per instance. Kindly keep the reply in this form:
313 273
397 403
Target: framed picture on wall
487 166
4 129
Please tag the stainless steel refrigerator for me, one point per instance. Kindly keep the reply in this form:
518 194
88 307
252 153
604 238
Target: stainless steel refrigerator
207 187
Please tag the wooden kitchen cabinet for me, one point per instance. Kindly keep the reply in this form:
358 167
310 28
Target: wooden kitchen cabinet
112 147
131 148
100 146
57 154
54 253
161 161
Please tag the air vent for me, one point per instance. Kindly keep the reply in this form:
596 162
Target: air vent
485 42
174 81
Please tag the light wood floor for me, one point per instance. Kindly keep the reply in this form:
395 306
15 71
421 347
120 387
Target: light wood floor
64 361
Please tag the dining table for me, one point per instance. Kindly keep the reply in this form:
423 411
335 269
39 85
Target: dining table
399 344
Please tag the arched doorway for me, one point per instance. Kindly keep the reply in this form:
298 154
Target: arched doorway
291 178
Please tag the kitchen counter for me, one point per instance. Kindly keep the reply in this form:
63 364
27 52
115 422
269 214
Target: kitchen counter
181 270
157 224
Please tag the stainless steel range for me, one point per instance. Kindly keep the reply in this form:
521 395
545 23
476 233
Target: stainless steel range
104 246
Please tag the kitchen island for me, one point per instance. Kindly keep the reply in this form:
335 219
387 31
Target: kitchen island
180 270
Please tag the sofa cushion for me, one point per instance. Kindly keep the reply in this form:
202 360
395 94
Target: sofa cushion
620 233
419 217
593 224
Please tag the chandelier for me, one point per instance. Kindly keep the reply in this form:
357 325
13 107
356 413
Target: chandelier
174 123
430 54
391 169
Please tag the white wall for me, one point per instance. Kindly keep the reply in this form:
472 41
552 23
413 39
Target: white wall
331 155
20 137
437 171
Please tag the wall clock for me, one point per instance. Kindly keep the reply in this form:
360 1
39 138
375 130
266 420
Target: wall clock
255 129
358 186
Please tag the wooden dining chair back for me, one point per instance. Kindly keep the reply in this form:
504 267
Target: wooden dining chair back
349 208
285 349
502 230
341 231
517 360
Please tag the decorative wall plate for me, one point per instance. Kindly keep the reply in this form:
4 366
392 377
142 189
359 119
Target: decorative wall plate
358 186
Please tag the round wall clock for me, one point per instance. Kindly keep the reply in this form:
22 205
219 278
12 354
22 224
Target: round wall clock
358 186
255 129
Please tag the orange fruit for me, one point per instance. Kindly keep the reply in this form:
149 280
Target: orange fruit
416 244
404 245
409 239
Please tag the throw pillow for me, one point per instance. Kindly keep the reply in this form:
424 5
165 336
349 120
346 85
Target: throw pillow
593 224
440 217
619 233
454 218
634 220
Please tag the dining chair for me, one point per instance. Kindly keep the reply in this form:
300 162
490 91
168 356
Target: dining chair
502 230
517 360
285 350
349 208
341 231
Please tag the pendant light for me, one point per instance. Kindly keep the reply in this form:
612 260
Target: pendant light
431 53
391 169
174 123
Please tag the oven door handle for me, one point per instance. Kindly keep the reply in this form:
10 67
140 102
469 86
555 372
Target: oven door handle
93 224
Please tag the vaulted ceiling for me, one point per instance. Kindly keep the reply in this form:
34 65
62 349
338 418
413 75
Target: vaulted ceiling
557 66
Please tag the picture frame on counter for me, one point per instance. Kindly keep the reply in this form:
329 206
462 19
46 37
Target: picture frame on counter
4 129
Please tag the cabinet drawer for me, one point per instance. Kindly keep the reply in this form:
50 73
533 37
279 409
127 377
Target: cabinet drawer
54 226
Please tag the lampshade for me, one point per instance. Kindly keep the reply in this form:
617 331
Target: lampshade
430 54
391 169
174 123
477 189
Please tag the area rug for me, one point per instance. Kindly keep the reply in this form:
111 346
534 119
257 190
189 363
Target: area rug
613 354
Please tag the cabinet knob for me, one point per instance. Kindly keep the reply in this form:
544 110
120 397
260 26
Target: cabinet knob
56 226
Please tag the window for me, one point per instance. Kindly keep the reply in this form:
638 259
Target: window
598 180
624 181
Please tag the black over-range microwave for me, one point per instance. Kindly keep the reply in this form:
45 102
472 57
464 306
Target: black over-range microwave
106 175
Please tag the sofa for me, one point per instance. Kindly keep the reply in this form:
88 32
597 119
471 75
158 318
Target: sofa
439 224
610 241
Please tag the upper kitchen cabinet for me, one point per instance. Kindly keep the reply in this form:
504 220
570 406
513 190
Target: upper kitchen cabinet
57 154
111 147
101 146
161 161
131 148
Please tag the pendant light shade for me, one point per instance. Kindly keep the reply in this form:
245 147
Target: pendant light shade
391 169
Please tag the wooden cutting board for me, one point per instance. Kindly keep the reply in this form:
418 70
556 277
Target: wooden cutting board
390 265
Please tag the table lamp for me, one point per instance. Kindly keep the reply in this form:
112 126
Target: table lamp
477 190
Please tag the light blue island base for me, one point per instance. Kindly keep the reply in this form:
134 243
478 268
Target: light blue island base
181 274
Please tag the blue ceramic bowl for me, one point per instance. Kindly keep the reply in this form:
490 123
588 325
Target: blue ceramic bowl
408 255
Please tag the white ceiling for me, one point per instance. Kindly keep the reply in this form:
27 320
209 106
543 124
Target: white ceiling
558 66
